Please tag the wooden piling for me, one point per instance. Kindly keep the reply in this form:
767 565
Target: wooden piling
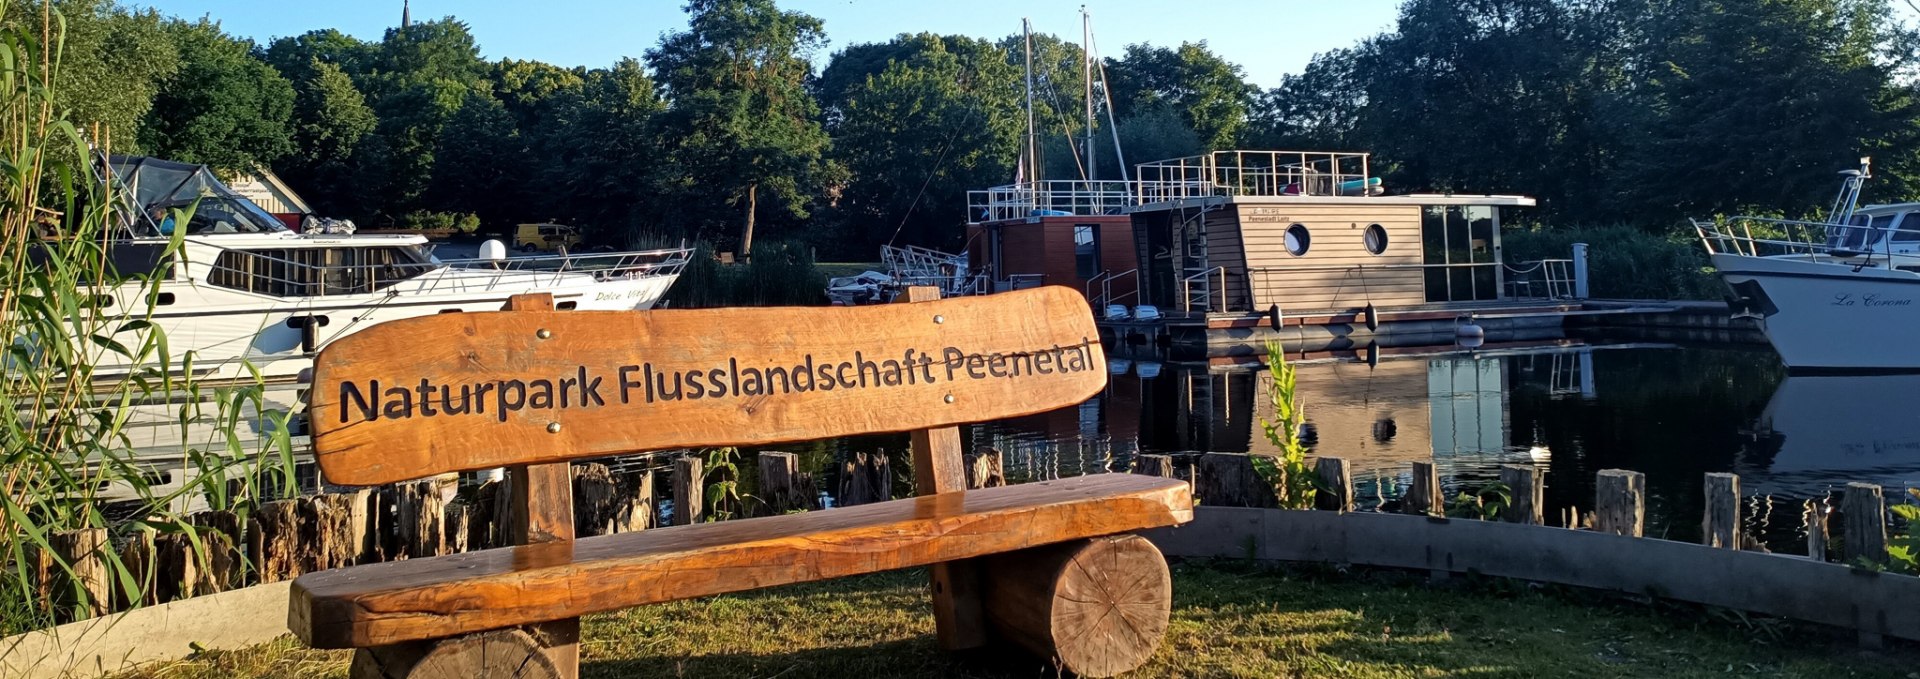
865 478
1720 525
137 557
1864 512
688 505
177 568
85 585
482 532
783 486
1229 480
1424 496
1153 465
1620 502
1529 494
273 537
594 494
986 468
1336 485
1815 521
455 526
419 511
634 503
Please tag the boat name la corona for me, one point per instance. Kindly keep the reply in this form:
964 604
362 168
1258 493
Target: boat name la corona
645 382
1868 300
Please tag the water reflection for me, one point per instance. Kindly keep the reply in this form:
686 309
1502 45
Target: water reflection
1573 409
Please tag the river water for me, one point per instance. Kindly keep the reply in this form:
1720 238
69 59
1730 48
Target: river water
1570 407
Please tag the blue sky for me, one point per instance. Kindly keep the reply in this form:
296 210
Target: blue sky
1268 38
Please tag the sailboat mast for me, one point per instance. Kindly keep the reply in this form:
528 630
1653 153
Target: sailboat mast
1086 78
1033 142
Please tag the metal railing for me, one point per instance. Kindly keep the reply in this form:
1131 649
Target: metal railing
293 271
1049 198
1100 287
1554 275
1201 287
1812 241
1254 173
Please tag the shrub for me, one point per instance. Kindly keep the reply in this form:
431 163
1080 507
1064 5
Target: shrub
1623 262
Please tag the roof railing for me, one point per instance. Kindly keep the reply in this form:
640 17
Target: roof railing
1255 173
1049 198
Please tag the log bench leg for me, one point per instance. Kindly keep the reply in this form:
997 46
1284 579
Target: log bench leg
1096 607
500 654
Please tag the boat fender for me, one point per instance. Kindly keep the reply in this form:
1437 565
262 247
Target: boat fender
1273 317
1373 318
1471 329
1373 355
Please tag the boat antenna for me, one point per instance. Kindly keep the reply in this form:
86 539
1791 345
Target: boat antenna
1086 78
1849 198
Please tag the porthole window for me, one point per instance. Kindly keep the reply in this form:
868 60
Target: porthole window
1298 240
1376 239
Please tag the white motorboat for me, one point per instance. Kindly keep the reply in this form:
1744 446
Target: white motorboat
243 290
1839 295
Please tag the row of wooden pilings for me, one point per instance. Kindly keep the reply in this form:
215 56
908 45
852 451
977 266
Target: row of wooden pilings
275 541
1620 501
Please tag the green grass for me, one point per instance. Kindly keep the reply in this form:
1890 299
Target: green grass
1229 620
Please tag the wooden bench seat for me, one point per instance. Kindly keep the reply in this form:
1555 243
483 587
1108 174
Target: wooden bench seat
1049 566
388 603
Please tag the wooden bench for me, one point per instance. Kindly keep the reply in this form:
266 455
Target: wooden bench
1050 566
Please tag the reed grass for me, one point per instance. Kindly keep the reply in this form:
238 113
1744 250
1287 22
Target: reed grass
1624 262
65 449
778 274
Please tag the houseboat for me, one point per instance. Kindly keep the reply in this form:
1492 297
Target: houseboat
1233 248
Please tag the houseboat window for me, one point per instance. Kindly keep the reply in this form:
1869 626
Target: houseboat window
1086 250
1457 244
1298 240
1376 239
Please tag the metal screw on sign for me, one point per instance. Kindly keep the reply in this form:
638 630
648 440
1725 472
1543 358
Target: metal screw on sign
939 319
544 334
949 398
553 427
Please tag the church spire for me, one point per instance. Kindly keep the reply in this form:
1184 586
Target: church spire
406 16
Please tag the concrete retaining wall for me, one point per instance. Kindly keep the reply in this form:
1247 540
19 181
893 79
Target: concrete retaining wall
90 648
1784 586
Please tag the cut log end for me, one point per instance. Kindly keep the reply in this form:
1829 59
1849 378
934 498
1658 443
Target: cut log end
506 654
1096 607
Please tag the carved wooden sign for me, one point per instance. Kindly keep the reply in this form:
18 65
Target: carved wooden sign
455 392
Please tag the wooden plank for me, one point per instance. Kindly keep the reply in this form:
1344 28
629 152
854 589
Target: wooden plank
1720 524
689 489
1620 502
393 602
552 386
542 508
939 467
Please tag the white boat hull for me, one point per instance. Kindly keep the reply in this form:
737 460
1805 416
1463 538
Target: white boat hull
1827 316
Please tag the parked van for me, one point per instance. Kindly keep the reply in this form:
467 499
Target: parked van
532 237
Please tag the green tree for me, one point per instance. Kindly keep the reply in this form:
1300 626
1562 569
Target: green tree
419 77
939 118
331 122
223 108
481 162
294 56
740 121
113 63
594 152
1206 90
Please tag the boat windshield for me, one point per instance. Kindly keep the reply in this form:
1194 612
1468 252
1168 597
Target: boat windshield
1861 233
155 188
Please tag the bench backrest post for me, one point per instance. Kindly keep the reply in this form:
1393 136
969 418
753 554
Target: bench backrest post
542 502
959 613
